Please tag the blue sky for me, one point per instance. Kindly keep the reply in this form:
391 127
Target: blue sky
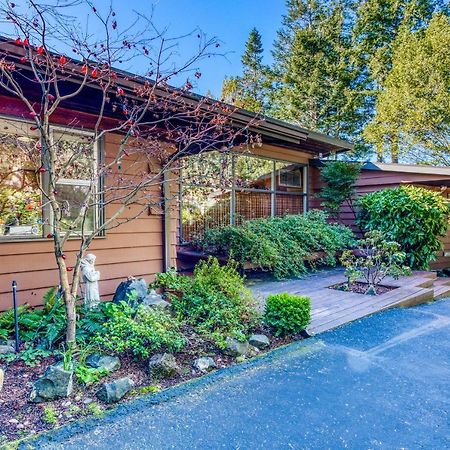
228 20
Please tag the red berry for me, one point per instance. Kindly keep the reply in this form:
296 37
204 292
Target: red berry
84 69
18 41
69 269
95 73
23 60
63 256
50 235
51 97
42 169
40 50
25 42
62 60
120 91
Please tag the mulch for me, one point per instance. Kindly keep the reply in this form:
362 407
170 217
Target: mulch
361 288
20 418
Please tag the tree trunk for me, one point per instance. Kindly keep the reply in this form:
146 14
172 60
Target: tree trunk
69 301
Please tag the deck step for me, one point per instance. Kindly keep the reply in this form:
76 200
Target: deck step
441 291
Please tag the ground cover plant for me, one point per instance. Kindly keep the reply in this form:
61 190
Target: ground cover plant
412 216
282 245
213 308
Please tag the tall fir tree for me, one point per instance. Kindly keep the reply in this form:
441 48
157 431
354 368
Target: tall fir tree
249 90
377 26
315 84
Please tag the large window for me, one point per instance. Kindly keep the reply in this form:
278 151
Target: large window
24 210
223 188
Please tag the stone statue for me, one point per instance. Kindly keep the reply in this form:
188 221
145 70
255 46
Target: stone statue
90 278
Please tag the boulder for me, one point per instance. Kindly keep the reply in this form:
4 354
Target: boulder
163 365
235 347
259 341
55 383
114 390
125 289
204 364
154 300
2 379
4 349
110 363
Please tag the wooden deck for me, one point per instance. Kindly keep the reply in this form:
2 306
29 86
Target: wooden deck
331 308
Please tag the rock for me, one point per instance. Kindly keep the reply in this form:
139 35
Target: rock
204 364
163 365
2 379
113 391
235 347
110 363
56 383
154 300
259 341
6 349
126 288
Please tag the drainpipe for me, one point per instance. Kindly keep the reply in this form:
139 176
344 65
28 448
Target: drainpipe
166 219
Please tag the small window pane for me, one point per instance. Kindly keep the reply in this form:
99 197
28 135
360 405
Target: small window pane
209 169
289 177
71 199
20 196
252 205
203 208
253 172
75 157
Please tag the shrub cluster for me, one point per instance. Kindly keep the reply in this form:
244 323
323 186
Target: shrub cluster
287 314
140 332
412 216
280 244
217 302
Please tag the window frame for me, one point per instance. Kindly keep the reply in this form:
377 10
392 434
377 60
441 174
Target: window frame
273 191
99 212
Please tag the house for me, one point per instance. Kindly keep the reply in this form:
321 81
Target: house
146 245
375 176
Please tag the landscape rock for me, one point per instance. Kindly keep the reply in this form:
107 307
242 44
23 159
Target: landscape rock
156 303
125 289
259 341
55 383
2 379
163 365
6 349
204 364
110 363
235 347
115 390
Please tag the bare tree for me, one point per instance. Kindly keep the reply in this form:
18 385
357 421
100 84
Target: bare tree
154 123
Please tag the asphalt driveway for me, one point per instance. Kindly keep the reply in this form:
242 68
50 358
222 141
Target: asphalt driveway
381 382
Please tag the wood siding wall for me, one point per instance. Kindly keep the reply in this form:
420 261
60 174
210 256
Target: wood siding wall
134 248
375 180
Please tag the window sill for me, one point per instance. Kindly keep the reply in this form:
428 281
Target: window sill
5 239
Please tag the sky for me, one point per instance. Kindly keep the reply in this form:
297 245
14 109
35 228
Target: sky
228 20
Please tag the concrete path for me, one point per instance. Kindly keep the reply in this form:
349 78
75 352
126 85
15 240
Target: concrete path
381 382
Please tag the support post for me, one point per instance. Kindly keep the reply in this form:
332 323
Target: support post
16 317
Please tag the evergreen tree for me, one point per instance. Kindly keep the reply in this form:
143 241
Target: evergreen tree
315 83
378 23
249 91
413 110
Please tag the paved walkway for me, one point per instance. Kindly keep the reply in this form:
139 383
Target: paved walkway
331 308
382 382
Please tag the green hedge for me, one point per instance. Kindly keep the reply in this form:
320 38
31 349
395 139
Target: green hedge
412 216
280 244
287 314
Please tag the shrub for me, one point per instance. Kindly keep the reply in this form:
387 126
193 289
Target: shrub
217 302
377 259
339 188
287 314
139 332
412 216
280 244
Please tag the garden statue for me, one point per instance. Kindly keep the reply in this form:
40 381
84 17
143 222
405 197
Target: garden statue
90 278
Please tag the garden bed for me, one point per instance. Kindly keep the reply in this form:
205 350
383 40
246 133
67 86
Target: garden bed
21 418
359 287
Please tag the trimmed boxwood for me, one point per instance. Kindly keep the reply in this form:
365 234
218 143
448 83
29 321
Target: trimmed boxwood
412 216
287 314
